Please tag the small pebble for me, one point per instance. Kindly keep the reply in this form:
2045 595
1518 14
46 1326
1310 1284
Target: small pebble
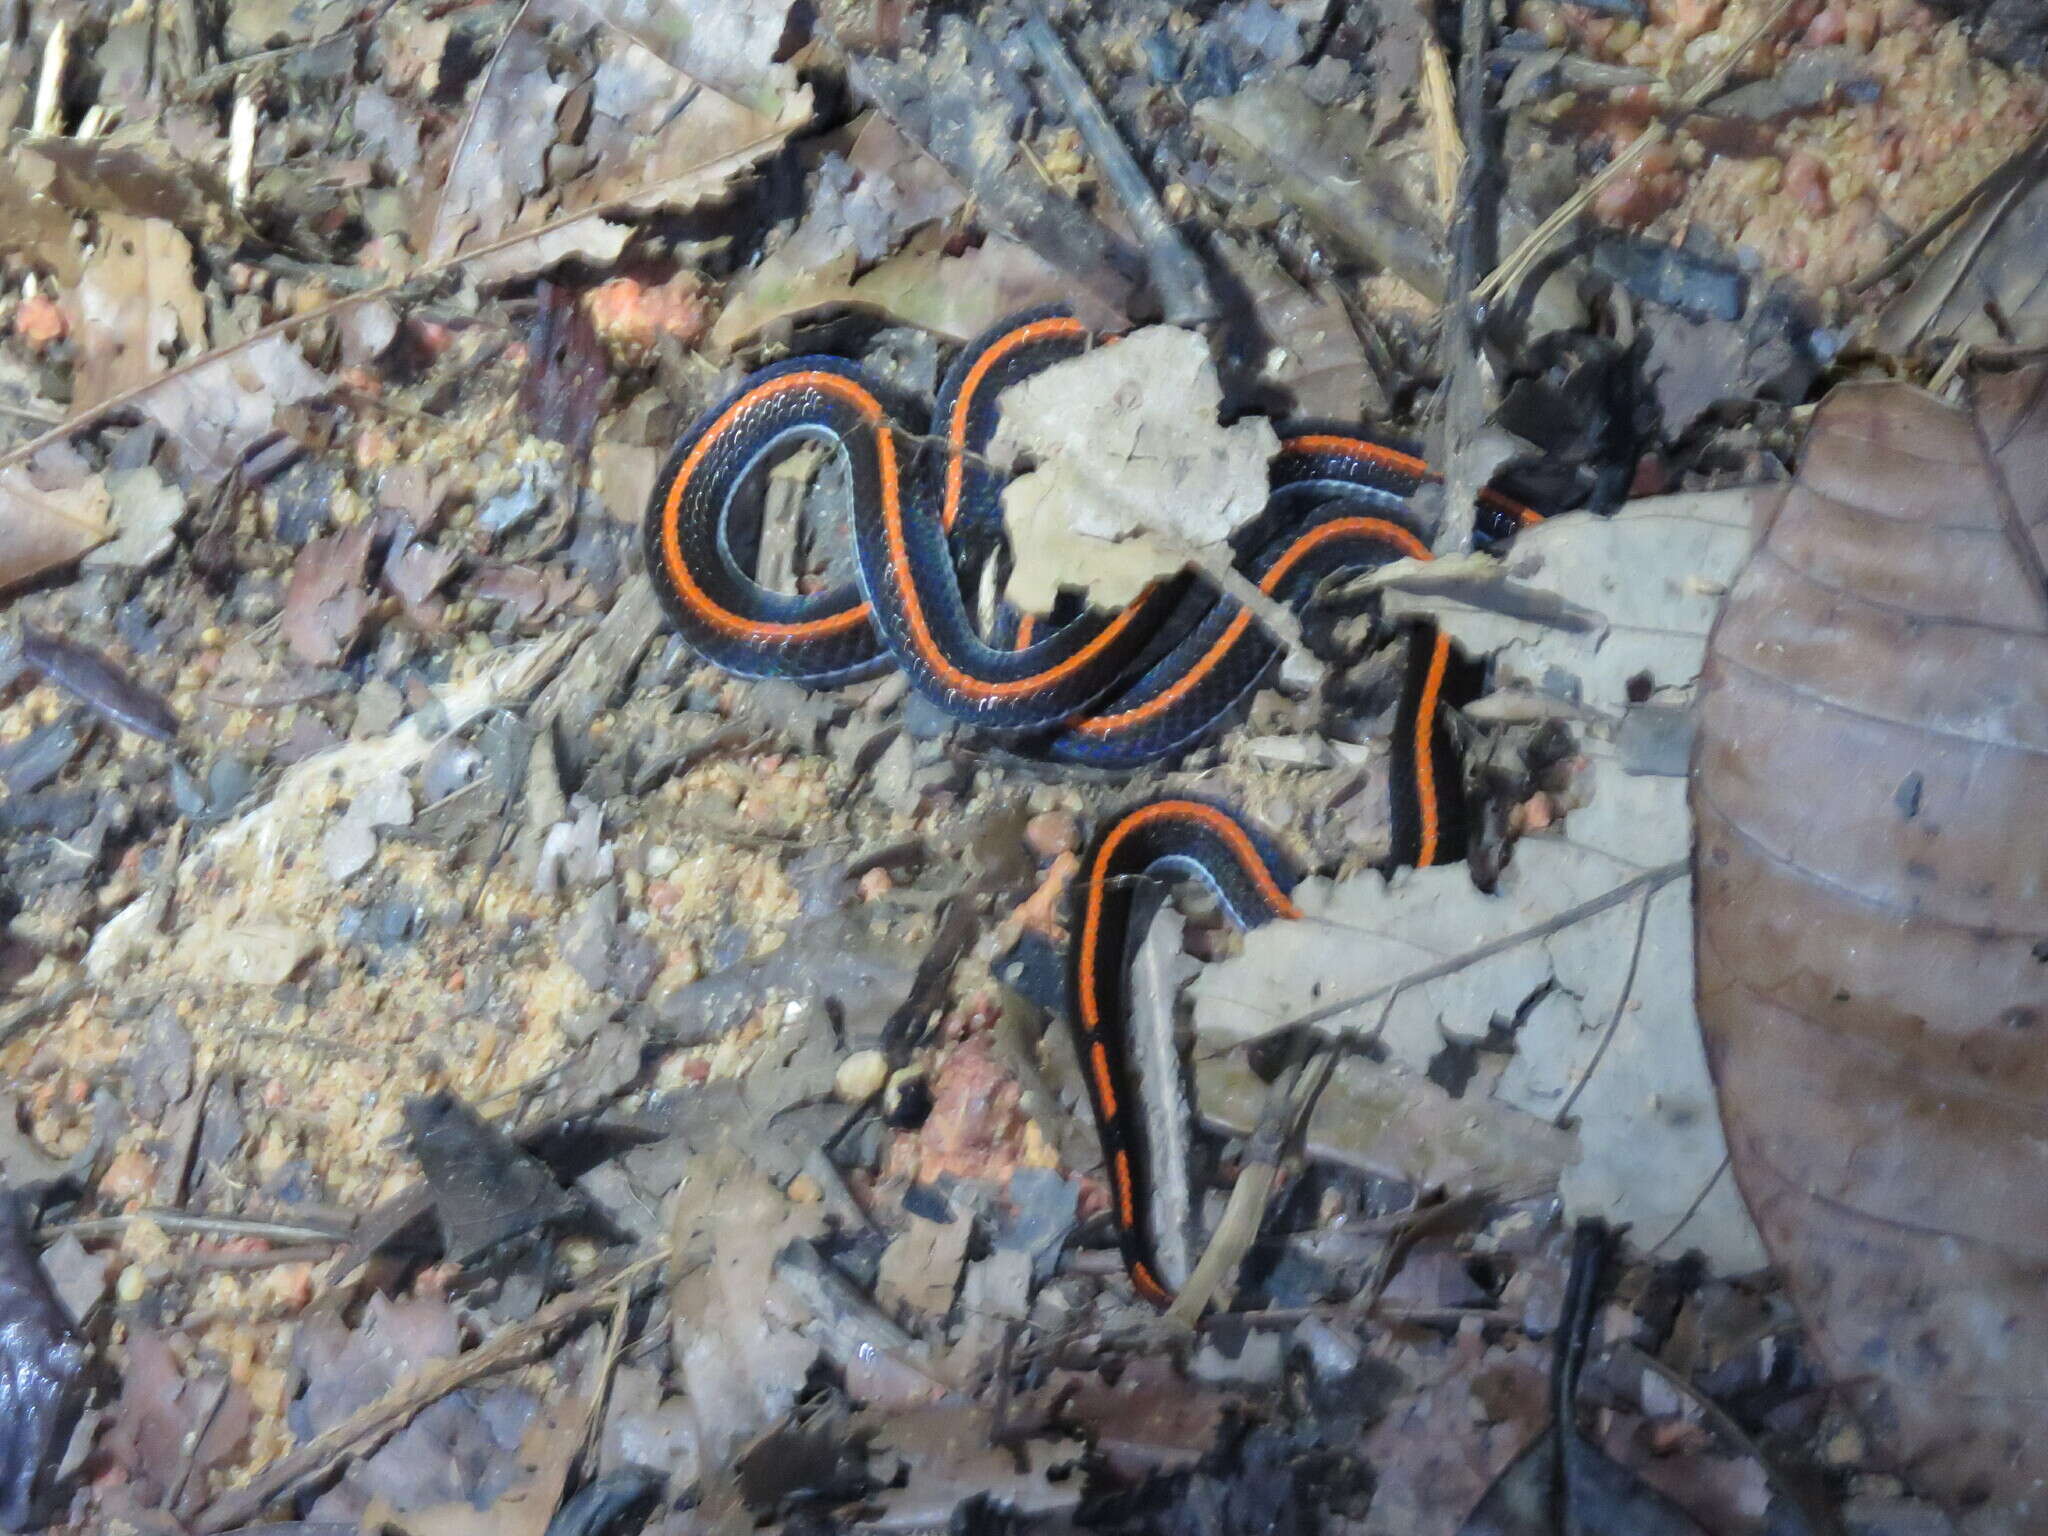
1052 833
875 883
132 1285
860 1076
660 859
804 1190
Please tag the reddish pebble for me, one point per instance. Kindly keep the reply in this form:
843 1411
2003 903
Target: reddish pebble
374 446
40 322
1695 18
434 1280
1643 191
631 317
662 897
434 337
1050 834
1828 28
1806 178
292 1285
1650 478
130 1176
698 1071
876 882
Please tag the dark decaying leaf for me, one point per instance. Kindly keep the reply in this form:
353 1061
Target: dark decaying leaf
486 1190
325 603
1868 785
1563 1485
42 527
96 681
566 371
171 1428
606 1504
42 1369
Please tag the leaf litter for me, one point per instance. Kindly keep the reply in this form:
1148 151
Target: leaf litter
445 820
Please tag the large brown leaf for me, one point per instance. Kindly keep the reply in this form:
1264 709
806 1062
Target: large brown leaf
1870 787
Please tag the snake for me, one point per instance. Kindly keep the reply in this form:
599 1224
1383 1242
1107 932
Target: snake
1111 690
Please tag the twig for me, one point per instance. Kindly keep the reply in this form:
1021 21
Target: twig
433 246
372 1423
272 1258
1466 395
1177 274
1440 111
197 1224
1245 1213
35 1009
188 1450
585 1466
1531 250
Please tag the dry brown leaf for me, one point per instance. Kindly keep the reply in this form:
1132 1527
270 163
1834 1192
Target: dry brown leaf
41 529
547 1451
132 308
413 573
1325 163
1437 1450
1868 785
1313 359
215 413
730 47
595 241
160 1408
1586 944
1133 470
629 131
326 602
37 227
529 595
135 173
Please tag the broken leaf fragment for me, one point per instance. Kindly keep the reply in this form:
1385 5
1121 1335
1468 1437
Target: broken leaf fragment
45 527
1134 473
134 306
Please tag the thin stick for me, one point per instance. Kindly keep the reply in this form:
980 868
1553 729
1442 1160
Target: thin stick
197 1224
615 1342
1531 250
469 121
1466 398
1660 876
372 1423
1177 275
1440 109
